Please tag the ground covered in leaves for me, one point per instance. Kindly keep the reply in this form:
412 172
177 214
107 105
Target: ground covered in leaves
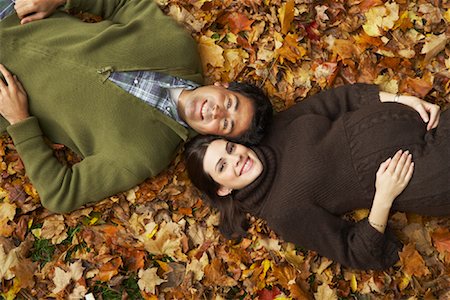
159 241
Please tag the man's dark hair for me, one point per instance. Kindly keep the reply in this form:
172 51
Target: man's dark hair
262 112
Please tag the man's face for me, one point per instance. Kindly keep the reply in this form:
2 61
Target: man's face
213 109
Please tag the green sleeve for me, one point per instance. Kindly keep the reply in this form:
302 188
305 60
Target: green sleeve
62 188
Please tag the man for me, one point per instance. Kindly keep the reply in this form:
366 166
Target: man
121 93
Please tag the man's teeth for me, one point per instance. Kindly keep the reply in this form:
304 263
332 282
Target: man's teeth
204 109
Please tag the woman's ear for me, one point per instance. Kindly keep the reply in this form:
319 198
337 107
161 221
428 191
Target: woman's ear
224 191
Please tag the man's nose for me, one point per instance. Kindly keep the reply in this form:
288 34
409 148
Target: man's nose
217 112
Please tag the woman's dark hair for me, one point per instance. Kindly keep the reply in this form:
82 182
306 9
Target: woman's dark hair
233 220
262 109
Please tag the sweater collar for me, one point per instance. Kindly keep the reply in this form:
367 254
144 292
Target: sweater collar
252 197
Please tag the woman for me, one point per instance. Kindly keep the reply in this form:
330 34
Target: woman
320 160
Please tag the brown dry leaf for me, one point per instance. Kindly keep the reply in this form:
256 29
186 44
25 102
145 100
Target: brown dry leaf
7 213
324 292
412 262
197 266
148 280
215 275
62 278
54 228
433 45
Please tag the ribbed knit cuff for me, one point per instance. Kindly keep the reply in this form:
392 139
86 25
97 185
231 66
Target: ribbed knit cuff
24 130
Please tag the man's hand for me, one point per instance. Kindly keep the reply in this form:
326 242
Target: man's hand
13 98
393 176
31 10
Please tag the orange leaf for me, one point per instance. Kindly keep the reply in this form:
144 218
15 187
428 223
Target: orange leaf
291 50
419 86
109 269
238 22
412 261
441 240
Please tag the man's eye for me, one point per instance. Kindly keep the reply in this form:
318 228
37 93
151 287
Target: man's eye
225 124
229 104
230 147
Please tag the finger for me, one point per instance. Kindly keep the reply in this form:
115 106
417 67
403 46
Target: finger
8 77
401 162
19 85
406 166
423 113
33 17
383 166
410 172
394 161
3 71
434 117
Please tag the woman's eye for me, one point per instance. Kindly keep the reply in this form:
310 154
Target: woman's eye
222 166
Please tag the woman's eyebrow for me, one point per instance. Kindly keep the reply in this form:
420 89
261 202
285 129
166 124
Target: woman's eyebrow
218 164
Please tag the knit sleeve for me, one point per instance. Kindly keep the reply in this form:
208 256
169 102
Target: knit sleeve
357 245
62 188
334 102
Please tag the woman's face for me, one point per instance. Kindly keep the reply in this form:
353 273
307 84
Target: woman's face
231 165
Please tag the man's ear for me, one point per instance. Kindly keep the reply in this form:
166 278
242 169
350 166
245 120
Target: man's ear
221 84
224 191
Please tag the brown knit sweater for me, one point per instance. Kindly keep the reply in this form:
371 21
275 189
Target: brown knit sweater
326 151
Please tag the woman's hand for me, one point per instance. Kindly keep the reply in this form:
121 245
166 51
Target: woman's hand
392 178
31 10
394 175
13 98
429 112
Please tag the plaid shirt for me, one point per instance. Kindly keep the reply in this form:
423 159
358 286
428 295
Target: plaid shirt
151 87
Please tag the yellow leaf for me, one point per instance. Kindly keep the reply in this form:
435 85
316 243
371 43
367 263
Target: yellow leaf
353 283
381 18
210 53
447 15
286 15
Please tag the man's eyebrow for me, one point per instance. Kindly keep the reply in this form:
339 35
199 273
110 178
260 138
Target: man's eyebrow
237 104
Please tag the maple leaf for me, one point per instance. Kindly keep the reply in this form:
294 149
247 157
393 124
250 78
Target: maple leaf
380 19
54 228
238 22
62 278
215 275
291 50
441 239
148 280
324 292
210 53
412 261
197 266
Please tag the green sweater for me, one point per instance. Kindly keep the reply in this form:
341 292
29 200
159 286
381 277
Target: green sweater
63 64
